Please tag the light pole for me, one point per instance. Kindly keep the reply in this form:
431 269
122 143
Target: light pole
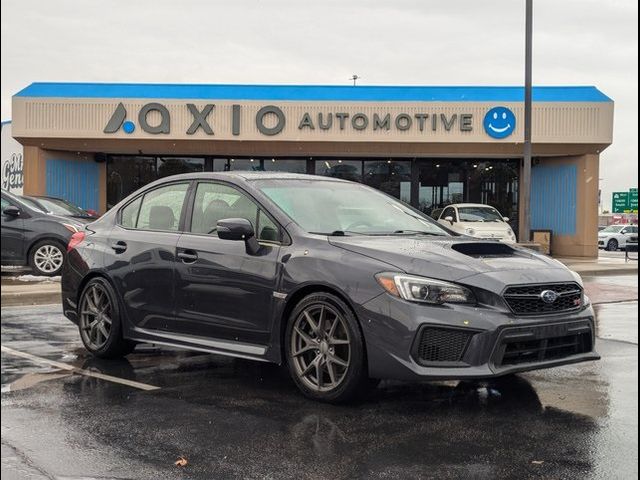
525 194
354 77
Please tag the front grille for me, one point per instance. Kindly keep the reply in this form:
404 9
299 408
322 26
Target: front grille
527 299
545 349
438 344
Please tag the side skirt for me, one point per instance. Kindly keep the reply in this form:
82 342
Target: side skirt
188 342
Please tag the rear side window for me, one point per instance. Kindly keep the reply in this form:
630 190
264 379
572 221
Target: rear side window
159 209
129 215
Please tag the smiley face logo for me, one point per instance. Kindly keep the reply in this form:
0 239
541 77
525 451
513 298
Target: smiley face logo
499 122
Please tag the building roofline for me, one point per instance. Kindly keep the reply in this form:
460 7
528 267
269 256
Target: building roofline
327 93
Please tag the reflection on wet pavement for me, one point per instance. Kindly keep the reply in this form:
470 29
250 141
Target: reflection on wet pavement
240 419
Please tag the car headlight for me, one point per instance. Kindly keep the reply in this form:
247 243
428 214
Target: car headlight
424 290
469 231
511 235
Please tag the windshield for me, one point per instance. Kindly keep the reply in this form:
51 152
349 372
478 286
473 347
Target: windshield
612 229
60 207
33 204
336 208
479 214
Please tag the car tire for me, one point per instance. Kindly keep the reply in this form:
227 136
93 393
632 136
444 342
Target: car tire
47 257
319 348
612 245
100 321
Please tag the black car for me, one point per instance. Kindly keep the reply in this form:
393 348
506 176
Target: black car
31 236
58 206
341 282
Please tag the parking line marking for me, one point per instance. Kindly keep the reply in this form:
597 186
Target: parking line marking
79 371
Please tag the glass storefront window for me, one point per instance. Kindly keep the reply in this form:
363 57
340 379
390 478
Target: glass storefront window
260 164
346 169
285 165
127 173
441 181
491 182
390 176
175 165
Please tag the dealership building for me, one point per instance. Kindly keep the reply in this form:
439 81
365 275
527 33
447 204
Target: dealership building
93 144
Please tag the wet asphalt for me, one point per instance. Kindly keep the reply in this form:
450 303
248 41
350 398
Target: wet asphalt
239 419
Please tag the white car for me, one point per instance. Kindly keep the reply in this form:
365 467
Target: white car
616 236
477 220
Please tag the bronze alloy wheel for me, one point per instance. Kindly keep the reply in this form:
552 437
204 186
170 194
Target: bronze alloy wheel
96 314
320 347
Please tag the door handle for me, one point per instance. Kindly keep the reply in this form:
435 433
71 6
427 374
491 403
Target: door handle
188 256
119 246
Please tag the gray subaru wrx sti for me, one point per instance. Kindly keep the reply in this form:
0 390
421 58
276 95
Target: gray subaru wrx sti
340 282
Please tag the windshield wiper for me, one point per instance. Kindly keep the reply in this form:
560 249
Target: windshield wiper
338 233
420 232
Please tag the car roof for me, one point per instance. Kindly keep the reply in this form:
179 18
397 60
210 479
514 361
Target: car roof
253 175
457 205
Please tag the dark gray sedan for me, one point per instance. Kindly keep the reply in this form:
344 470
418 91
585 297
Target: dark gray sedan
31 236
340 282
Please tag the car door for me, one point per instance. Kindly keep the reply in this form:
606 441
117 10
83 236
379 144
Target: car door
141 255
12 236
628 233
223 292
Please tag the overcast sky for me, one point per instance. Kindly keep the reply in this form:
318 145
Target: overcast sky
424 42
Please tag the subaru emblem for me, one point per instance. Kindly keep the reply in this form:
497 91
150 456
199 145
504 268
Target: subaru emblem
548 296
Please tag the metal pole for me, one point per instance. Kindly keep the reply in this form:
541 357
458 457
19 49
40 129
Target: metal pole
525 193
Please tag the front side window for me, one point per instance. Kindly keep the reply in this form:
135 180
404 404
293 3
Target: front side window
215 201
612 229
343 208
450 212
160 208
5 203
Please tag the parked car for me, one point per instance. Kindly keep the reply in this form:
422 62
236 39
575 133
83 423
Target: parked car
59 206
33 237
477 220
615 237
341 282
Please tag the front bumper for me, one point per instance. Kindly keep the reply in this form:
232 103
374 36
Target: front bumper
492 343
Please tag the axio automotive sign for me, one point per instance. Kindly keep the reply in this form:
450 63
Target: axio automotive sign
270 120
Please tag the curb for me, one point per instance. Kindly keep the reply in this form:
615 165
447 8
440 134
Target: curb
603 272
30 298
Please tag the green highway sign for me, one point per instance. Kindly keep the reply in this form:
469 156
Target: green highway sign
620 202
633 199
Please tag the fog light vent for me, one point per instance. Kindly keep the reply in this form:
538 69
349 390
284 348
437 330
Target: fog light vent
442 344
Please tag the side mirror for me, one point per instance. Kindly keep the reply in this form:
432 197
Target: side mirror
449 219
12 211
238 229
506 219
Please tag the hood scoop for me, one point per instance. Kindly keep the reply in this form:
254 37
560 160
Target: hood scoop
484 249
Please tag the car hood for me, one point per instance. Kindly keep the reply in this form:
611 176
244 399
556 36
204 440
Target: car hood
486 226
490 265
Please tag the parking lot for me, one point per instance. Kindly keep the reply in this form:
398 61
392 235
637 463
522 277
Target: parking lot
231 418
